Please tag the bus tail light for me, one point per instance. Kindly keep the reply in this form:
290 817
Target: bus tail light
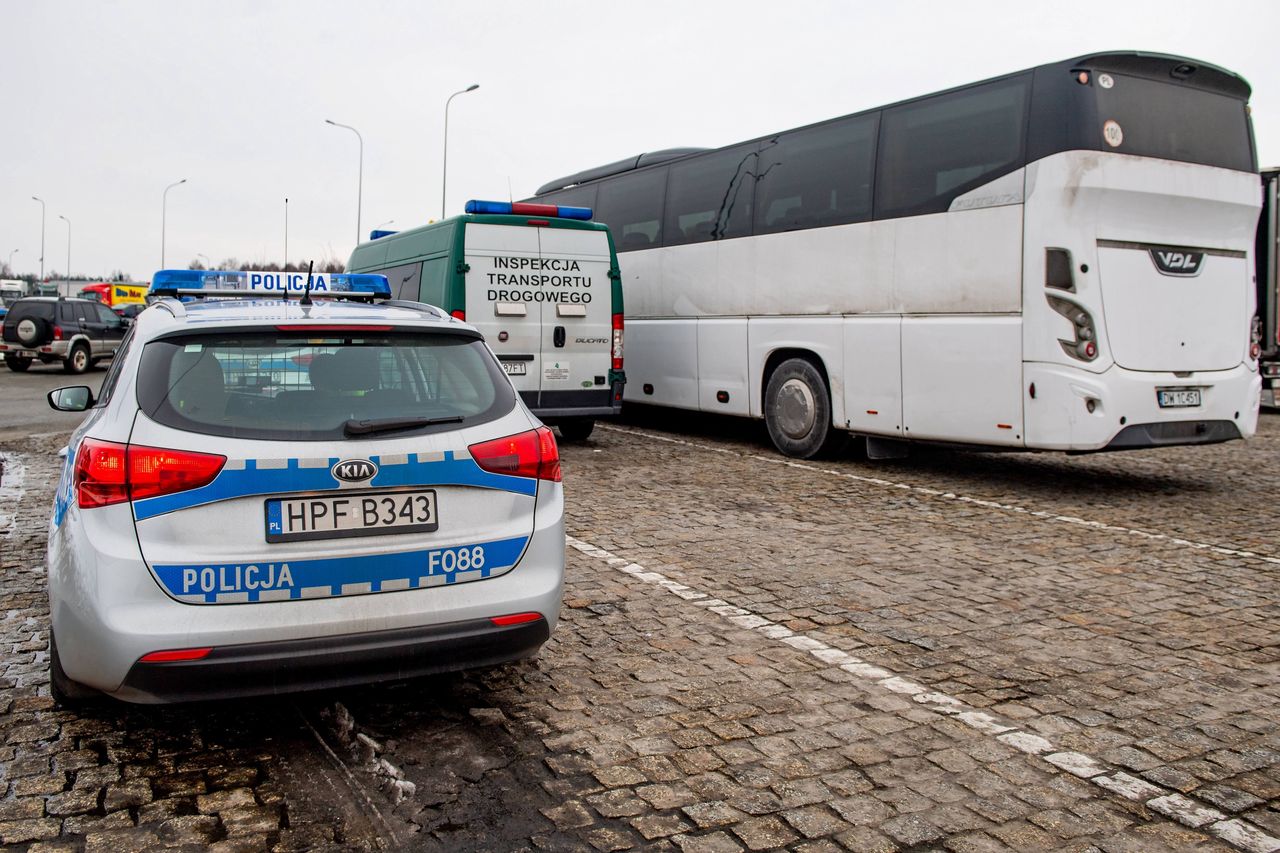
617 341
532 454
1255 338
1084 345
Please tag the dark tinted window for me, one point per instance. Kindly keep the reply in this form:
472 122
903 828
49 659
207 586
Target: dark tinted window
934 150
35 310
573 197
1175 122
709 197
404 280
631 205
286 386
818 176
104 314
69 312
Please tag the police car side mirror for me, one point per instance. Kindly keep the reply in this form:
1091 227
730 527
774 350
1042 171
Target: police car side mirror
76 398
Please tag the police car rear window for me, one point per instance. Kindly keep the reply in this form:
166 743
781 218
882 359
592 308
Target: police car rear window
270 385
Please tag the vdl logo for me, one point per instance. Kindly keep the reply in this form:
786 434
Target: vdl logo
1176 262
354 470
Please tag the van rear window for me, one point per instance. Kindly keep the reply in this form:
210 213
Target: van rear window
271 385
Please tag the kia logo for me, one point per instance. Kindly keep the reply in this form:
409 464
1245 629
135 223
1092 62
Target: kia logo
1177 262
354 470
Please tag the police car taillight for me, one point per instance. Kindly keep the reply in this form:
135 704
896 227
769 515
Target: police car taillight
531 454
108 472
617 341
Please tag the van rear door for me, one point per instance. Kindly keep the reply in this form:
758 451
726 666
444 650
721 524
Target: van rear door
577 322
500 301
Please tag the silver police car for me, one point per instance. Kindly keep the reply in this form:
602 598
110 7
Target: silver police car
273 494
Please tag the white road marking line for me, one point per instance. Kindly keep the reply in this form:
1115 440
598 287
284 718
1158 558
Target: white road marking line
966 499
1170 803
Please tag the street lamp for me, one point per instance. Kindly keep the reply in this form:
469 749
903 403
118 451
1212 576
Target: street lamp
445 170
68 221
10 264
383 224
164 212
208 264
360 180
33 198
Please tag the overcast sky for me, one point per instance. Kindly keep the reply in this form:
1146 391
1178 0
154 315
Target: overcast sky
105 103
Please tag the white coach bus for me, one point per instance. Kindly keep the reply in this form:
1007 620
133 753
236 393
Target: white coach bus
1057 259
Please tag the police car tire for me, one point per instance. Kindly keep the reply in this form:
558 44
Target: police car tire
65 692
796 386
576 429
16 364
77 360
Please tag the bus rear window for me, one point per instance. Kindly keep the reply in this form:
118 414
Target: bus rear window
1174 122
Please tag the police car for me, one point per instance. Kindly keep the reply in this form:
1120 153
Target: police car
274 494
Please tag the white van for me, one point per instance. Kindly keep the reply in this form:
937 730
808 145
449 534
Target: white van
539 281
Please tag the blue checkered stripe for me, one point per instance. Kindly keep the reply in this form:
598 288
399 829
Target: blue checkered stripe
249 477
273 579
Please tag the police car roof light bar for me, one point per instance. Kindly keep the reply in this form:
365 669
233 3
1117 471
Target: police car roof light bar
222 283
524 208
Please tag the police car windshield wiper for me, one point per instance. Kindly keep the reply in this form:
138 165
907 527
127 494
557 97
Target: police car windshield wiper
355 427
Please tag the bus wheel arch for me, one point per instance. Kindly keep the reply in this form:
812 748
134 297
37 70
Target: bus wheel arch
797 404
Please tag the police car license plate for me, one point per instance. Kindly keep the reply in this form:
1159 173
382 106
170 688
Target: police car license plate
515 368
351 514
1177 398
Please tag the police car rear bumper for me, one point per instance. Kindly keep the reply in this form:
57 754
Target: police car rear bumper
258 669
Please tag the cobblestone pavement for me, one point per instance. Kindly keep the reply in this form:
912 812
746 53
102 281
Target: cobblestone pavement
962 652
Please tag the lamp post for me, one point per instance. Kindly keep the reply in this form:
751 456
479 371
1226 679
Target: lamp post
68 221
208 264
444 177
33 198
164 211
383 224
286 236
10 264
360 179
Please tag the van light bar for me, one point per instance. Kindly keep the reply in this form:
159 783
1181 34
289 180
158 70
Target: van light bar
525 208
268 284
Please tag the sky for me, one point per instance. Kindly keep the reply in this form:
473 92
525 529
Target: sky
104 104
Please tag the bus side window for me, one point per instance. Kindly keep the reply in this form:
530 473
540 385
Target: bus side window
631 205
710 196
572 197
817 176
934 150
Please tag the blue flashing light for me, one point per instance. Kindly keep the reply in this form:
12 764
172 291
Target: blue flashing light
528 208
378 234
374 285
170 280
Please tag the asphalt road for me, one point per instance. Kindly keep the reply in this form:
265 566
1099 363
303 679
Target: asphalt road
23 406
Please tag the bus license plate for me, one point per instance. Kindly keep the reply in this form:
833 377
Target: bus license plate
1178 398
515 368
361 514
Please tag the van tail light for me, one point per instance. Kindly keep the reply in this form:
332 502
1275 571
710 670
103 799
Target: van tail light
617 341
531 454
459 315
107 472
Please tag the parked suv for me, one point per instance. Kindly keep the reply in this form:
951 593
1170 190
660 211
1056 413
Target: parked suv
76 332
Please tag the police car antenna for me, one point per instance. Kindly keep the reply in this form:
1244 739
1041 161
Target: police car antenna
306 293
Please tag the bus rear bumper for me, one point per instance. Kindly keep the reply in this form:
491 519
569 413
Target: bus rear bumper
1118 409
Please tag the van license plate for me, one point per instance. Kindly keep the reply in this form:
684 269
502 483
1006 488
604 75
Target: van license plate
348 514
515 368
1178 398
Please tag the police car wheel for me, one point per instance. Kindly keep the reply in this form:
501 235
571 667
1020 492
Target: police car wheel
17 365
576 429
65 692
77 360
797 410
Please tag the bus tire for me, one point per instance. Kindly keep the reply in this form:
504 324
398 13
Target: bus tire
576 429
797 410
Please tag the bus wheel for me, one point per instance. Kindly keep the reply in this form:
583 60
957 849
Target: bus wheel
797 410
576 429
